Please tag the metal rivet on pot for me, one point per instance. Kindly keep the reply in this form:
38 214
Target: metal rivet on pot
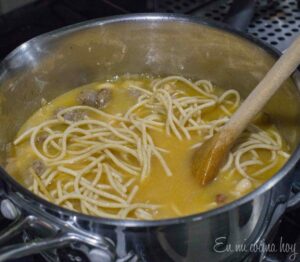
9 210
96 255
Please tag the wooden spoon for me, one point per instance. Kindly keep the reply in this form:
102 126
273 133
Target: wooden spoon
210 156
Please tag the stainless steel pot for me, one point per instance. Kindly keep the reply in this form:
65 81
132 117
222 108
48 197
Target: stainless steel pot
56 62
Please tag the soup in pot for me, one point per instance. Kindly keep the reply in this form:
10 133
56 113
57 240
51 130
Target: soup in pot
122 148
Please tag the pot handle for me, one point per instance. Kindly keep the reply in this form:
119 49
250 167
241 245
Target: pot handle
97 252
294 200
94 248
13 229
25 249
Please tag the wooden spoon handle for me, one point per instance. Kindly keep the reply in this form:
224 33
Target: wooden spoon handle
254 103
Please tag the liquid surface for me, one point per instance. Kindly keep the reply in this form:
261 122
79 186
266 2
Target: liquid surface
178 194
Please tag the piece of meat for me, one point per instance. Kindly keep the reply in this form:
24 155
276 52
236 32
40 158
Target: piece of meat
38 167
103 97
74 115
88 98
221 199
95 98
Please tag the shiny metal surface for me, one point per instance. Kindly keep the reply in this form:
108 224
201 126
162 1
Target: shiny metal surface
48 234
9 210
56 62
21 250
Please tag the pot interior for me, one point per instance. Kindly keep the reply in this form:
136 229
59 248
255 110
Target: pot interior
52 64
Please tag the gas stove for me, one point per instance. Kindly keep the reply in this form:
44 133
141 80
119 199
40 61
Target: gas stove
273 21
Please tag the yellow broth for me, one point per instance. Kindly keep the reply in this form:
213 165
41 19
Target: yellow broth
179 194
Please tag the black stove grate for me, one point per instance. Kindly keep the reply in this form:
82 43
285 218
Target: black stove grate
276 22
180 6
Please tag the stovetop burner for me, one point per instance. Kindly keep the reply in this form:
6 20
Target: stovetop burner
276 22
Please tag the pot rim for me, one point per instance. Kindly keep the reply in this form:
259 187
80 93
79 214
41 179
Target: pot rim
161 222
